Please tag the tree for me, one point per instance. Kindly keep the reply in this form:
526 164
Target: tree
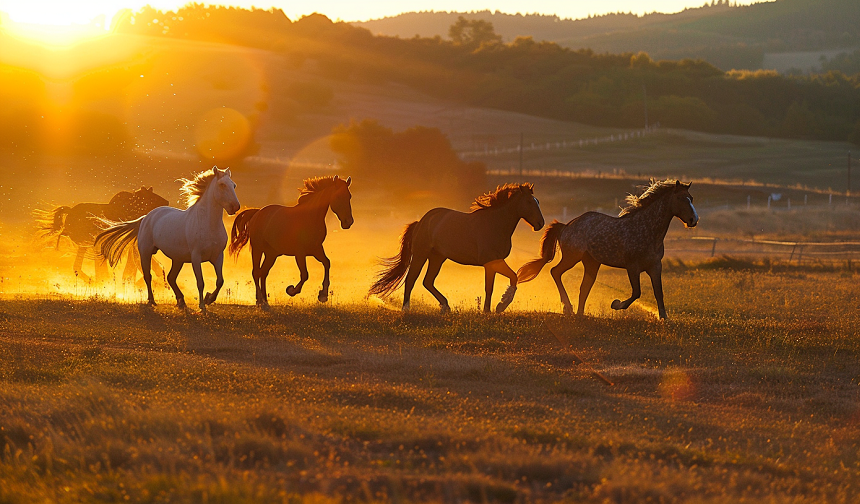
417 163
473 33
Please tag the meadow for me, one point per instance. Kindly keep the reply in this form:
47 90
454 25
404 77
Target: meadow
748 393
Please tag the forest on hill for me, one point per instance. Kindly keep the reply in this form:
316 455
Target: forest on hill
539 78
725 35
478 68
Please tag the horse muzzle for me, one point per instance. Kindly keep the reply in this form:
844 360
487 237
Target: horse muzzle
233 209
538 226
346 224
692 223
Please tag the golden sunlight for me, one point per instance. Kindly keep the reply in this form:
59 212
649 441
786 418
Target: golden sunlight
63 23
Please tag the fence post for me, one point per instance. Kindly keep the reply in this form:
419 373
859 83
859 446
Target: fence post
714 247
748 201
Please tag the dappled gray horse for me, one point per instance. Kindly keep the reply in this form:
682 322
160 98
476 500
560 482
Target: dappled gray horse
633 241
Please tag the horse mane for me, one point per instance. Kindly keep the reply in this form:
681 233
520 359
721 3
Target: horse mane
501 195
194 187
655 190
315 185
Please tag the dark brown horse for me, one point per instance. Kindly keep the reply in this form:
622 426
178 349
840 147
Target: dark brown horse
81 224
633 241
298 231
479 238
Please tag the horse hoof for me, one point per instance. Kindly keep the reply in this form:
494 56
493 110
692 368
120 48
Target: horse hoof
406 308
567 310
322 298
445 309
616 305
209 298
292 291
507 298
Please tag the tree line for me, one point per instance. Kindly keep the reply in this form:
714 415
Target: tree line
539 78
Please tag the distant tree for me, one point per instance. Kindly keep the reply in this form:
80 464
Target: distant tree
473 33
414 164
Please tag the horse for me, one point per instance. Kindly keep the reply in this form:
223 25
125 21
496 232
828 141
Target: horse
299 231
481 237
632 241
81 223
194 235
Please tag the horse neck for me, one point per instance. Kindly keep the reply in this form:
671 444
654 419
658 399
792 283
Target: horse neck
506 219
655 218
207 209
318 204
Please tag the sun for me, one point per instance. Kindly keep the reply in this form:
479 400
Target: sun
65 22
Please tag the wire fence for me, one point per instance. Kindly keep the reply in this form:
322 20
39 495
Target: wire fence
792 251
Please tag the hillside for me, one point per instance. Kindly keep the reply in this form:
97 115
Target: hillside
728 37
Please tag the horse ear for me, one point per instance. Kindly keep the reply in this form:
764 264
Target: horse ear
150 189
689 184
336 178
228 172
678 183
216 171
348 181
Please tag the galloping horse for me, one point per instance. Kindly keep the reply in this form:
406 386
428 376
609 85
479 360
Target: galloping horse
80 223
633 241
193 235
479 238
298 231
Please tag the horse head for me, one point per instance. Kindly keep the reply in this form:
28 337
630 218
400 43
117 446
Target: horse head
340 201
144 200
225 190
682 204
529 207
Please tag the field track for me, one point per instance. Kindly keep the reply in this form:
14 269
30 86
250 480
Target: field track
726 401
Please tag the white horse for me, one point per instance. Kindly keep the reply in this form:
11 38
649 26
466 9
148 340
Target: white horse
193 235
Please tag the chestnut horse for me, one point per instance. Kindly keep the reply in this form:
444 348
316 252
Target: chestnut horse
633 241
299 231
479 238
80 223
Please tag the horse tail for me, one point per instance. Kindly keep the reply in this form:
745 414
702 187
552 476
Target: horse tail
396 267
548 244
52 222
240 234
111 242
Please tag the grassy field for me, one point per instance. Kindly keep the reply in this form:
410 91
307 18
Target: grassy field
749 393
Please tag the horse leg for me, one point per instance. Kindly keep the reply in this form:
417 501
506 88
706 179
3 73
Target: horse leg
633 275
433 267
508 297
197 265
132 262
588 277
146 267
79 263
175 268
656 274
567 261
302 263
322 297
102 270
268 262
489 280
218 263
256 262
415 267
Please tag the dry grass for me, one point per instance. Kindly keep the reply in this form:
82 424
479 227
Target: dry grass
749 393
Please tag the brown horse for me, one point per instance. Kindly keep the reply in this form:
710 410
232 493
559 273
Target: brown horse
81 224
479 238
298 231
633 241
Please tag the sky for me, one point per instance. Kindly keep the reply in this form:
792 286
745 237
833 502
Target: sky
66 12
